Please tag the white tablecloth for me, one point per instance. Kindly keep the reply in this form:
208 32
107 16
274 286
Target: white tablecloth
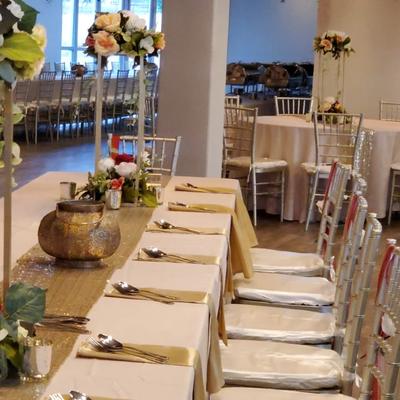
292 139
138 321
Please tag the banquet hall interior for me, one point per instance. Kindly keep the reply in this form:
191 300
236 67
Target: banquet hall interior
200 200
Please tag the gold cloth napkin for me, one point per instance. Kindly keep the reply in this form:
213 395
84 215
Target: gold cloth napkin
196 230
216 327
180 356
240 208
68 397
197 258
239 260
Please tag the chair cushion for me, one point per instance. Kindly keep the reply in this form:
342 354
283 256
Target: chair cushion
285 289
280 365
244 393
286 262
260 163
244 321
395 166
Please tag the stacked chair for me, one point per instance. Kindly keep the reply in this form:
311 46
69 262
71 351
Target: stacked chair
298 337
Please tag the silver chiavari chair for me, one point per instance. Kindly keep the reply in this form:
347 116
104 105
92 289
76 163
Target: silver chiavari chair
337 137
85 108
38 110
21 99
302 367
239 157
59 67
293 105
65 109
163 152
389 110
310 264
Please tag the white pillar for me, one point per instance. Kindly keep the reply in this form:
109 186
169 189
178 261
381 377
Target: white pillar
192 81
373 72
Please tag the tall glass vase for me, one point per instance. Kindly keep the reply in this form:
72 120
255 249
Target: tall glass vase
99 109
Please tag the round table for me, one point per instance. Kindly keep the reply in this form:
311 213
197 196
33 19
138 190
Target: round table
291 138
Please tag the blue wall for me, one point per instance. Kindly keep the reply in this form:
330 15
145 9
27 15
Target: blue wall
271 30
50 17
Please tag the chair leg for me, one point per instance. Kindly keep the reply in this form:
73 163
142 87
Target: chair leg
254 191
393 181
282 194
313 186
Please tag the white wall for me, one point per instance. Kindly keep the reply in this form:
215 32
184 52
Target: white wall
271 30
373 72
51 18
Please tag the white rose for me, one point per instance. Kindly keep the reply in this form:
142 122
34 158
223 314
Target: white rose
145 157
134 23
22 333
126 169
3 334
105 164
15 9
1 40
147 44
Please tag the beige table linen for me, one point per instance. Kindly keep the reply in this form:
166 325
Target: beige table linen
292 139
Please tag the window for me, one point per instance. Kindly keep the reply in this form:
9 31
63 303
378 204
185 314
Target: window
78 15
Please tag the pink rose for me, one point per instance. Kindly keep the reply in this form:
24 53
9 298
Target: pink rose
105 44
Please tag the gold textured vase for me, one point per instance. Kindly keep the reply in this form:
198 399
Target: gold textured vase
79 233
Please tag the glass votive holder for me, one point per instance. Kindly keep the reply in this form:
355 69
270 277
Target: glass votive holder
113 199
36 360
67 190
159 192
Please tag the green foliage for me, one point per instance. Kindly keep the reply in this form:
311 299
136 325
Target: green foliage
21 47
8 19
7 72
25 302
28 21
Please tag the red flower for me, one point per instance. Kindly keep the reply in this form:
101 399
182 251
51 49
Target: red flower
119 158
117 184
89 41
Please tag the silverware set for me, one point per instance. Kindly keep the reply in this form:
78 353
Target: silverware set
127 289
73 395
108 344
69 323
167 225
191 207
154 252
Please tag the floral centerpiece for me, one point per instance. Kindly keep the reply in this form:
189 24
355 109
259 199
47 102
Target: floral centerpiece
23 303
331 105
121 173
334 43
124 33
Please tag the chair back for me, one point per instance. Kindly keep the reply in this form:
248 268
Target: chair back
59 66
331 210
91 66
382 367
358 301
151 74
389 110
21 92
115 66
106 84
121 84
232 101
239 132
68 80
47 82
348 256
163 152
150 114
86 88
336 137
293 105
46 67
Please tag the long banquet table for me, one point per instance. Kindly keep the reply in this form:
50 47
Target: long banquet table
135 321
291 138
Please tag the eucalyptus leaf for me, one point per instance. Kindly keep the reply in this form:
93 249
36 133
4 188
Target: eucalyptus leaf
11 350
28 21
8 19
7 72
21 47
25 302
